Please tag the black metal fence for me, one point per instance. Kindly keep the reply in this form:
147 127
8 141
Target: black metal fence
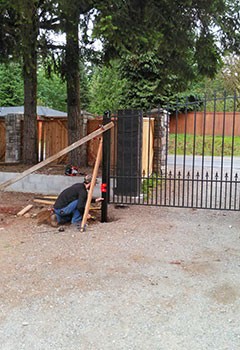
178 156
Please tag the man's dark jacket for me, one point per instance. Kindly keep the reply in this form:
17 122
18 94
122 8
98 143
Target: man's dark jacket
70 194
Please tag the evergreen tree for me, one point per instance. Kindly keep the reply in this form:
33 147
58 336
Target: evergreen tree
106 88
51 91
170 44
11 86
19 28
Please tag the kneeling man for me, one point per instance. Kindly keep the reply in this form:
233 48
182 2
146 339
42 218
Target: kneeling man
70 204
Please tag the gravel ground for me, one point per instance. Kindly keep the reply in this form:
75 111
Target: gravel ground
151 278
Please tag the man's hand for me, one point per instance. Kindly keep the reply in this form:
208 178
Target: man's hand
99 199
91 217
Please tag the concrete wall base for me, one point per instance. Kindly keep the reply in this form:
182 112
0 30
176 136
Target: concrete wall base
44 184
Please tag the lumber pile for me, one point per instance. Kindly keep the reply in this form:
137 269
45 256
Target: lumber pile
41 209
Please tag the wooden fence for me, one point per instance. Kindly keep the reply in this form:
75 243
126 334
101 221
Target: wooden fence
52 137
53 134
223 123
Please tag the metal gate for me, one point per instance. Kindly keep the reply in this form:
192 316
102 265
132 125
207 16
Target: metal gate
186 155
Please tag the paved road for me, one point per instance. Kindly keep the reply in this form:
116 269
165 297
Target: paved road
206 162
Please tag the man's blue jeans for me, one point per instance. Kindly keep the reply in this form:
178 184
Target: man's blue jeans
70 213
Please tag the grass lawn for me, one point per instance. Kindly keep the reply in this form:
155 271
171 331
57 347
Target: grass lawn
217 146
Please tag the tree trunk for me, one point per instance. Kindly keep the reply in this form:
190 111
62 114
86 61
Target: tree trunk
29 38
75 120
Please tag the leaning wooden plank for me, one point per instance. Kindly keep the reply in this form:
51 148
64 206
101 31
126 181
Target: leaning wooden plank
90 192
57 155
25 210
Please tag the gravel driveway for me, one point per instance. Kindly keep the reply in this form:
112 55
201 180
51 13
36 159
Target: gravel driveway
152 278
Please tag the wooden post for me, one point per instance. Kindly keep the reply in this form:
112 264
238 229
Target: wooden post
57 155
41 139
106 168
93 182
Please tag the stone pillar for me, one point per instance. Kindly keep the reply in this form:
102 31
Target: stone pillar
13 138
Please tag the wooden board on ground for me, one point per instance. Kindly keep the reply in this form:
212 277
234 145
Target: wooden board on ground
48 197
44 201
25 210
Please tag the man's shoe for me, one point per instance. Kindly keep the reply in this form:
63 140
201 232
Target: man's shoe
54 222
